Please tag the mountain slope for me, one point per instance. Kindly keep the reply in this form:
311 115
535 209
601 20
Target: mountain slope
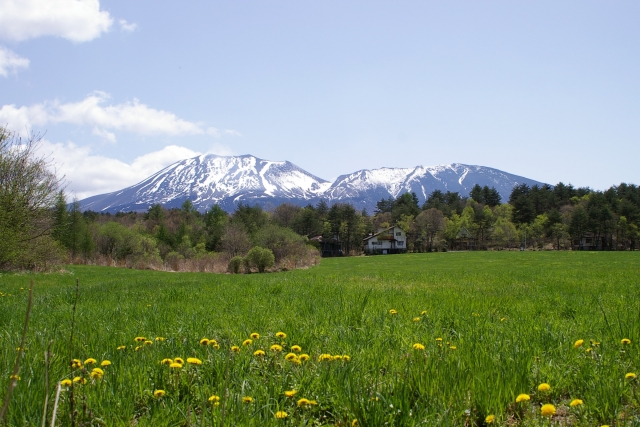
227 181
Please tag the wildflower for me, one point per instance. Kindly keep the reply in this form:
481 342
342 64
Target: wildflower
576 402
346 358
179 360
594 343
290 393
258 353
306 402
15 377
160 339
588 350
214 343
137 348
80 380
324 357
235 348
522 397
453 347
121 347
502 319
204 341
418 346
336 357
76 364
105 363
424 313
392 312
175 365
65 382
194 361
548 410
439 339
139 339
544 387
254 336
296 348
247 399
148 342
159 394
355 423
578 343
214 398
304 357
291 356
625 341
416 319
630 376
97 373
281 335
490 419
281 415
247 342
276 347
166 361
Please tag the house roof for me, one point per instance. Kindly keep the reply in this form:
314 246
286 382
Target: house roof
379 232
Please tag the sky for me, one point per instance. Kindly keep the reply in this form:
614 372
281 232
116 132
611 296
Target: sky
120 89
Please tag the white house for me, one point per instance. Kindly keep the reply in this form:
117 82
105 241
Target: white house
392 240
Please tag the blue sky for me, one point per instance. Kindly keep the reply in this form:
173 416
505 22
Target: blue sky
548 90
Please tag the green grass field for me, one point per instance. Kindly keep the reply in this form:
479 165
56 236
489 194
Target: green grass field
493 325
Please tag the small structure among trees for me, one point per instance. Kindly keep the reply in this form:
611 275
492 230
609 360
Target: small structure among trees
391 240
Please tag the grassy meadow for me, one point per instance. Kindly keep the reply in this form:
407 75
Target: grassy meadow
441 339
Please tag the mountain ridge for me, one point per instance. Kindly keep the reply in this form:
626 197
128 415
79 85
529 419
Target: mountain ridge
228 180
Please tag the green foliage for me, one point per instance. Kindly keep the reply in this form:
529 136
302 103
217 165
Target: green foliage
260 258
234 264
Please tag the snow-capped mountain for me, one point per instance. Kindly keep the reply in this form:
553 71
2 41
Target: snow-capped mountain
209 179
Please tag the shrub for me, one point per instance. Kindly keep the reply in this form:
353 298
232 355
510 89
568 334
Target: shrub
260 258
234 264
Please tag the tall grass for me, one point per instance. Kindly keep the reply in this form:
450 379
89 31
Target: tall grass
507 322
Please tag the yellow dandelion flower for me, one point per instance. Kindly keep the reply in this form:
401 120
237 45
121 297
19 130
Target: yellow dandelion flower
137 348
588 350
90 361
416 319
214 343
254 336
453 347
355 423
439 339
630 376
235 348
346 358
281 415
576 402
276 347
336 357
14 377
258 353
522 398
324 357
290 393
304 357
578 343
214 398
179 360
247 399
175 365
291 356
159 394
80 380
306 402
418 346
139 339
423 313
490 419
281 335
544 387
148 342
194 361
594 343
105 363
625 341
160 339
166 361
548 410
296 348
204 341
97 373
502 319
65 383
121 347
392 311
76 364
247 342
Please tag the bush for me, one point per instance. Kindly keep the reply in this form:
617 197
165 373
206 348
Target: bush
234 264
260 258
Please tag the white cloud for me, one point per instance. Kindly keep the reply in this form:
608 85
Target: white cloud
232 132
214 132
88 174
75 20
220 150
127 26
132 117
11 62
105 134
